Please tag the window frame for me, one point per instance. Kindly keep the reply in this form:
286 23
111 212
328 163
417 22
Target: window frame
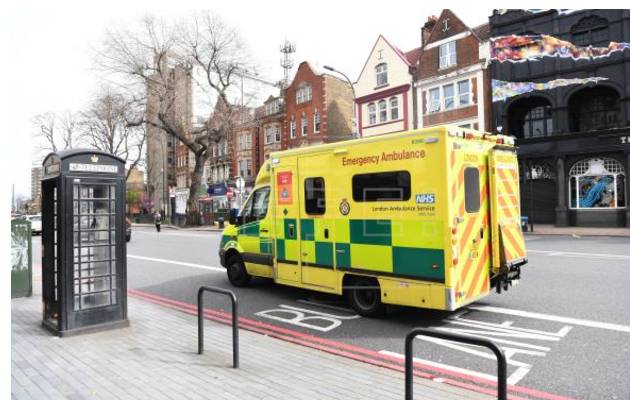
292 128
434 106
470 195
316 121
393 106
450 58
307 206
371 114
467 93
451 97
382 78
360 187
304 125
382 111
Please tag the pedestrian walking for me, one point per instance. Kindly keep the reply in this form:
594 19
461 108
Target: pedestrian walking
158 221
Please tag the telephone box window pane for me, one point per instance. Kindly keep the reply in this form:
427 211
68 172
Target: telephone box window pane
472 198
95 300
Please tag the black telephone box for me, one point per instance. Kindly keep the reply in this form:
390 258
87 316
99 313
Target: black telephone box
84 255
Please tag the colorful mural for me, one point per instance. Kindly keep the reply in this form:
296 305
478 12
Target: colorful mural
502 90
519 48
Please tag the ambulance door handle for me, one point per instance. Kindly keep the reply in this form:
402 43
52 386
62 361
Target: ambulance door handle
264 230
325 233
481 232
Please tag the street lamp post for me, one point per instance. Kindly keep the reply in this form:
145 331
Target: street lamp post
356 132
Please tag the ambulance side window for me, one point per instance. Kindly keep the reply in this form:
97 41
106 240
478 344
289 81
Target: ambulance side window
382 186
471 189
260 203
314 196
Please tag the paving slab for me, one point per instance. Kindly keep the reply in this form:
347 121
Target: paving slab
156 357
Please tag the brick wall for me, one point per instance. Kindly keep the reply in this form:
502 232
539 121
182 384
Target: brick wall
304 74
338 113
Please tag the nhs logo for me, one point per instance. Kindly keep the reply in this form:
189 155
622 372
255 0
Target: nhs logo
425 198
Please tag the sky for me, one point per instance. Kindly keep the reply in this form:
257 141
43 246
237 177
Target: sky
49 51
50 67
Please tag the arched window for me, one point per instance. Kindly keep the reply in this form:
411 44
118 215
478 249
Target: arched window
530 118
382 111
381 74
597 183
594 108
591 30
372 113
393 108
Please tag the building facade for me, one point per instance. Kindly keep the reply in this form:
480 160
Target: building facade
573 137
318 108
175 99
270 133
452 80
384 90
37 173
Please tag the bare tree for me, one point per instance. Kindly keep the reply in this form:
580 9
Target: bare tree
147 59
106 125
56 131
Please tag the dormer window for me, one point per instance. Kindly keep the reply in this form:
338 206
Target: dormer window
303 93
381 74
448 54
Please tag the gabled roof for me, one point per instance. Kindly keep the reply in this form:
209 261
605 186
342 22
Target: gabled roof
413 55
482 32
403 56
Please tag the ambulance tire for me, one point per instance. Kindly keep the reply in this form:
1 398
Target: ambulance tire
237 273
364 296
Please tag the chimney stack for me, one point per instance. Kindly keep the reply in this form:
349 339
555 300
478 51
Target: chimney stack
427 28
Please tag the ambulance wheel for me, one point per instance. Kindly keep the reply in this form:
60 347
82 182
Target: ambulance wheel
237 274
364 296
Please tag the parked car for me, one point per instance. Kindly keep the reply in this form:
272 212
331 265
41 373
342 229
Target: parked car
36 223
128 231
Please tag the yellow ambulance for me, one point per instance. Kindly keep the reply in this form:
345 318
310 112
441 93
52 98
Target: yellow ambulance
427 218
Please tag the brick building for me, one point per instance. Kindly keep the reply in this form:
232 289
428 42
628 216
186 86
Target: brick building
271 121
318 108
573 140
173 98
384 90
247 145
452 81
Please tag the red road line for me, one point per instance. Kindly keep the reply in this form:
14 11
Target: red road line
335 347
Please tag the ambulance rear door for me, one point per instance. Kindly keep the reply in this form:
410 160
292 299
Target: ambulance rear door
508 243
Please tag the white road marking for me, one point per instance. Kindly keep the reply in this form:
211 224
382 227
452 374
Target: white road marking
184 264
298 316
173 233
443 366
576 254
324 305
556 318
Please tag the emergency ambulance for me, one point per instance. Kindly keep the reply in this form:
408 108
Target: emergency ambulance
427 218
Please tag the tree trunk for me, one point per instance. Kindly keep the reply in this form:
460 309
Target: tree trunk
193 215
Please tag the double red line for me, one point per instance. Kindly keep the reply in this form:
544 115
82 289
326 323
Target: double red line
461 380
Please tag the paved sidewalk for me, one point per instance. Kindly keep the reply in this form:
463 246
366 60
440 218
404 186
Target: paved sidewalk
579 231
155 358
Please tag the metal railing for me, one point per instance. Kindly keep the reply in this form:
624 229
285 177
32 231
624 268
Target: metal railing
455 337
232 297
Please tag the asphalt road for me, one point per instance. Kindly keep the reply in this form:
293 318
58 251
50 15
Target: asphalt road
565 327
